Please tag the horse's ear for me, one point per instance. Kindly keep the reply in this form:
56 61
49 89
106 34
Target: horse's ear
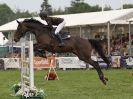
18 22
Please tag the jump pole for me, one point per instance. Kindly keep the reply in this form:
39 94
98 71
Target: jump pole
31 64
27 88
27 69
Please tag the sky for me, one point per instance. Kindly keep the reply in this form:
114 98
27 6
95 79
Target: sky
34 5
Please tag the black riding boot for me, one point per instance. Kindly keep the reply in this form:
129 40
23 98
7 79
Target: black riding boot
61 43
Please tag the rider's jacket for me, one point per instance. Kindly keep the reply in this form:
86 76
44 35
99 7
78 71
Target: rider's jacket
53 21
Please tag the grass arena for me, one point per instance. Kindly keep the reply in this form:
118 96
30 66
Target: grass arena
74 84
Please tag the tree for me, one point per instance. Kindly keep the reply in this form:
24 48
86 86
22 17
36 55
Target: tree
106 8
58 11
23 14
78 6
95 8
46 7
6 14
126 6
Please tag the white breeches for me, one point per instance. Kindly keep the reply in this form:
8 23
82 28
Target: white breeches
59 27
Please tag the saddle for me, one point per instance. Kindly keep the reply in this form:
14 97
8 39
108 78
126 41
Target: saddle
65 35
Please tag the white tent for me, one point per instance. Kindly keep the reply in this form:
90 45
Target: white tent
3 39
90 18
95 18
130 20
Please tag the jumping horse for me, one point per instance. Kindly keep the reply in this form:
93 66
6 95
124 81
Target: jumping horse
46 41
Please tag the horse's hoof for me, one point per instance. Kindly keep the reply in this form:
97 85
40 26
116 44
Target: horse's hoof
106 78
104 82
103 79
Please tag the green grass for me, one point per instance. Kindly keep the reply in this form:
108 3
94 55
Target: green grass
75 84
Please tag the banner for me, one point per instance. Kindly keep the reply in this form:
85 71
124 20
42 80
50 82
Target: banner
129 62
116 61
40 62
70 62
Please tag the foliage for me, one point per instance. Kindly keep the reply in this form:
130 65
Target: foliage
16 87
58 11
126 6
79 6
24 14
106 8
95 8
6 14
46 7
28 93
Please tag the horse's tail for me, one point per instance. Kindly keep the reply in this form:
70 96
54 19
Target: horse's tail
98 47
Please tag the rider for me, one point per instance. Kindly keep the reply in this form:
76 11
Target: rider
59 22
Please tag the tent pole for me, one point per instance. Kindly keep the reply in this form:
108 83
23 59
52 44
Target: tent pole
80 30
108 37
12 37
130 38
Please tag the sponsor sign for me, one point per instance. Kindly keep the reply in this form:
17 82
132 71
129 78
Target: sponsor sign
40 62
71 62
116 61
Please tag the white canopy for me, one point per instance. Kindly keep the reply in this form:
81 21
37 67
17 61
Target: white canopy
131 19
91 18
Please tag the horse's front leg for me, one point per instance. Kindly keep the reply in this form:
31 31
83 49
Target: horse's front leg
37 46
39 50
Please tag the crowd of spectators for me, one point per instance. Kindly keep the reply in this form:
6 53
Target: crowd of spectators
119 44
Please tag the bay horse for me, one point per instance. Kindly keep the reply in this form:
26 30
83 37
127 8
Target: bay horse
79 46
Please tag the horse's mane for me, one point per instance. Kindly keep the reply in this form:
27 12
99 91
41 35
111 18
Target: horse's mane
42 26
37 22
33 21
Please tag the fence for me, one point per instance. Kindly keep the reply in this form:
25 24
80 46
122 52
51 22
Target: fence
68 62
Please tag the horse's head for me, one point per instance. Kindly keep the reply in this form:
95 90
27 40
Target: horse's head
30 25
20 32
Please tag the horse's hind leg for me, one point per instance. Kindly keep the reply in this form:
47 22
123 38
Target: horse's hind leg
98 69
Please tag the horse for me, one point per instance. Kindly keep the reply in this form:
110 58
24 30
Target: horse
76 45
